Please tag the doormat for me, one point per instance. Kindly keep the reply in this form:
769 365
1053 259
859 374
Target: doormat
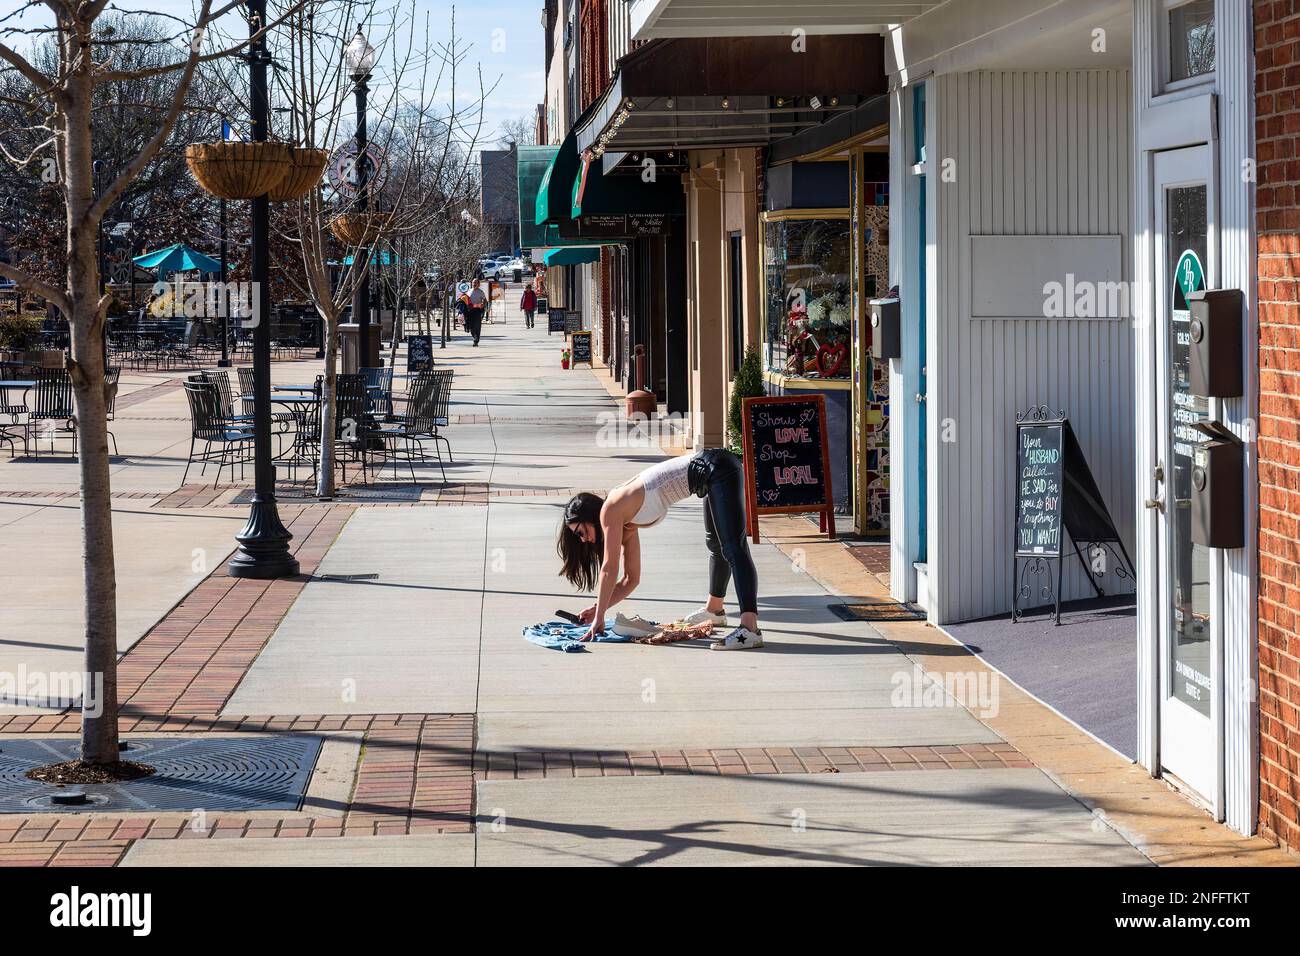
210 773
884 611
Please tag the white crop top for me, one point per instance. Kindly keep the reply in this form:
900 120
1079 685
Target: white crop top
665 484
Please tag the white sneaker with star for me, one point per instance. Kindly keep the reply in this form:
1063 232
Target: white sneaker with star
741 639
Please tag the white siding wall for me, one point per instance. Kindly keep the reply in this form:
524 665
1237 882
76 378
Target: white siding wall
620 33
1034 153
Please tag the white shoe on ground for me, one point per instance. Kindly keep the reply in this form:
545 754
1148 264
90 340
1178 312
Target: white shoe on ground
634 626
741 639
704 615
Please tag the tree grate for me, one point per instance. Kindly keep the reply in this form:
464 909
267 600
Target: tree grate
264 772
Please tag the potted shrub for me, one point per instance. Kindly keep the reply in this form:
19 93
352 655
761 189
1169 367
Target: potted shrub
19 334
564 359
748 383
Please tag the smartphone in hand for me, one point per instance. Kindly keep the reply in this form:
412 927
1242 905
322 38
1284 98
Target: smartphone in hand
571 618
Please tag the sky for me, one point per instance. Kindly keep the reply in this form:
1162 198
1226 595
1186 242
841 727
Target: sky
505 36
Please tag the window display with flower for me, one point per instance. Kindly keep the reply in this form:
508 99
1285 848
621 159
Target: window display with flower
808 308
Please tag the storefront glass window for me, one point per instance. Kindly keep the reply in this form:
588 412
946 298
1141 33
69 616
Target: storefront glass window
1189 660
809 311
1191 40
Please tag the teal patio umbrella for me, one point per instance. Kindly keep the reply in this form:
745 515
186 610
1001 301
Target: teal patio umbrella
177 258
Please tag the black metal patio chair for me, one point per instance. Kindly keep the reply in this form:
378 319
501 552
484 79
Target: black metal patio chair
13 405
53 413
233 441
428 397
379 391
246 385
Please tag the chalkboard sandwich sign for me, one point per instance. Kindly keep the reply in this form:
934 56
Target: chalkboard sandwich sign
1040 462
581 345
787 464
555 319
419 353
1057 496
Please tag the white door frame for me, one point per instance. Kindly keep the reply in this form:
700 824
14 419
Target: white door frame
1189 745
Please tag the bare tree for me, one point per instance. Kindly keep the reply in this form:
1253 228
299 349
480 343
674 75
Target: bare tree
424 150
520 131
61 97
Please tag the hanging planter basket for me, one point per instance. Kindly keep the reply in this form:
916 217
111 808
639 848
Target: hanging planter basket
239 170
305 169
357 228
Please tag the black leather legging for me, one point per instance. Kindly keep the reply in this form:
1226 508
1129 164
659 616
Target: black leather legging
724 530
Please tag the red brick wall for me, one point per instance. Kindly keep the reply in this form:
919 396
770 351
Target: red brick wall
594 26
1277 126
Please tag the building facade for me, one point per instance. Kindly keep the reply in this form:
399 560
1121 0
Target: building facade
1067 200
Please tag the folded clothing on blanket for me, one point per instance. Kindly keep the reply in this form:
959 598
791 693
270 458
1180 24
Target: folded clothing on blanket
672 633
563 636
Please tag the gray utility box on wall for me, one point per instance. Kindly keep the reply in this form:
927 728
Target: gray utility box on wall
1218 489
886 329
1215 341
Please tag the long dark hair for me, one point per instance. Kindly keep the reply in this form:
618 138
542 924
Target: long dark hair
582 559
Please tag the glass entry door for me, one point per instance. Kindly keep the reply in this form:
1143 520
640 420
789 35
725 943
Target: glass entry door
1190 620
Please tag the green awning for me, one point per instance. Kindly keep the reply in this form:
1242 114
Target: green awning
533 166
628 193
555 193
571 256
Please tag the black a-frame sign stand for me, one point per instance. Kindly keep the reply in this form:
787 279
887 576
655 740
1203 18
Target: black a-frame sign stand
1056 495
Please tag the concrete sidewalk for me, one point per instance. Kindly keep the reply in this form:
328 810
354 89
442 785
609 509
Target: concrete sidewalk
421 610
828 746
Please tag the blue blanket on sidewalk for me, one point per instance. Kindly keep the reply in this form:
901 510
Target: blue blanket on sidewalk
563 636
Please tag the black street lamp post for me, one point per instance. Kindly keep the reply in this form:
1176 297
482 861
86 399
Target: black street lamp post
224 300
98 168
264 542
361 58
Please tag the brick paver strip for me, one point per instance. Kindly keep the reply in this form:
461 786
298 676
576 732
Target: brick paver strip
222 496
141 395
521 766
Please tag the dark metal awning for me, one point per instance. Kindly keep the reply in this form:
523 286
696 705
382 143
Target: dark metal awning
710 93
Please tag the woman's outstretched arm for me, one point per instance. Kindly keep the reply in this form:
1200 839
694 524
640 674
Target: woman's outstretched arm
609 582
626 584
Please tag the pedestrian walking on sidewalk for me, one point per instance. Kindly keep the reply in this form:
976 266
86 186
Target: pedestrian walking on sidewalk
474 310
600 535
529 305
